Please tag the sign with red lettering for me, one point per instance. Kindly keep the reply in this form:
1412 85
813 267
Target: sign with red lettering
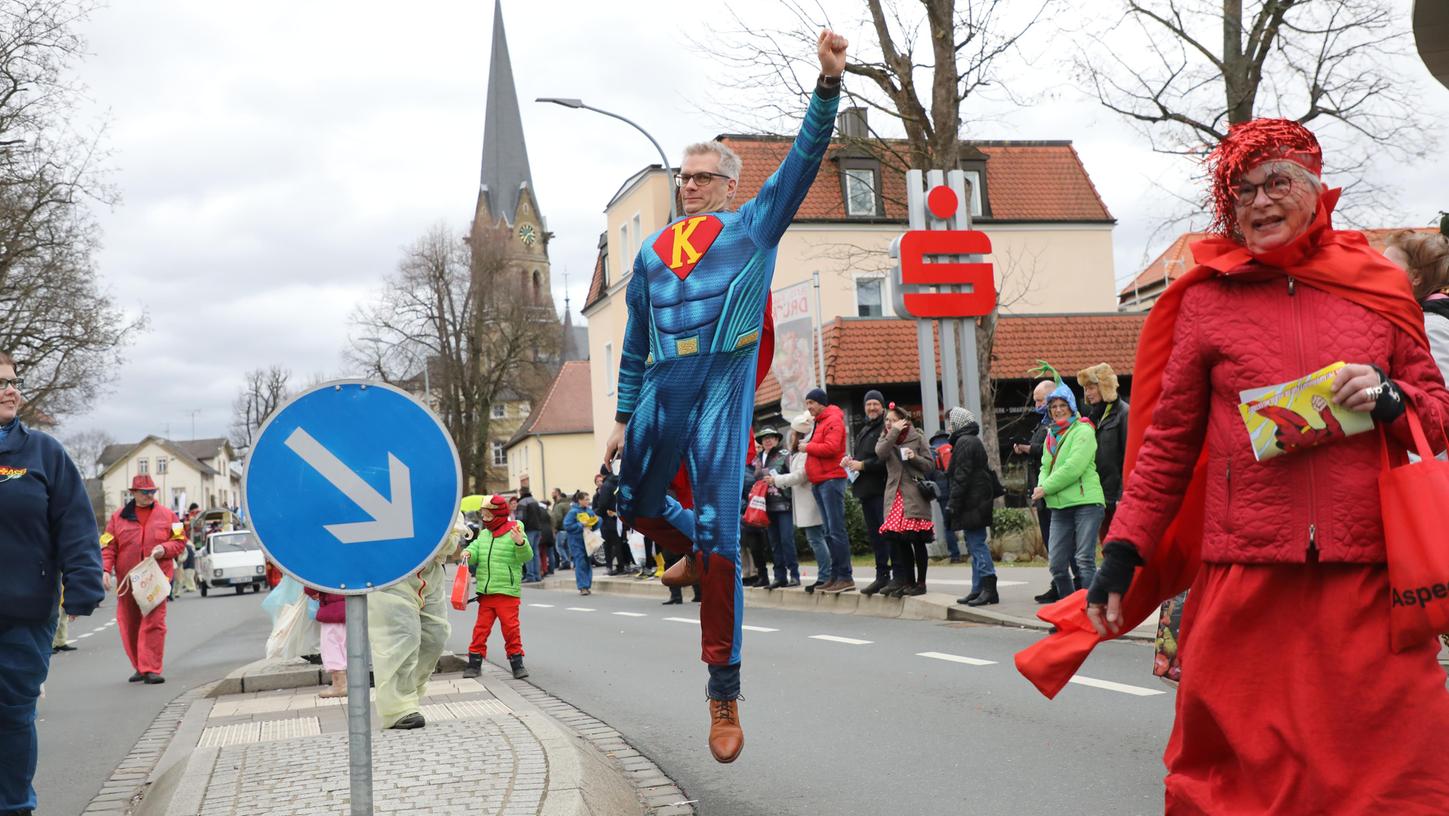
920 278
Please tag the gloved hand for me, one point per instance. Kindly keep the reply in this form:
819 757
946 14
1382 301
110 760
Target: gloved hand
1114 577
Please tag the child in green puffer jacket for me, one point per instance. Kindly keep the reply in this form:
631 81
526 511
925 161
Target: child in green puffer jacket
497 555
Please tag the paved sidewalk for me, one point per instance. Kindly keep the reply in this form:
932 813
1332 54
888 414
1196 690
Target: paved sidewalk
946 584
486 750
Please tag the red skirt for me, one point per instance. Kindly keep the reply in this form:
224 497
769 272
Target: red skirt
1292 702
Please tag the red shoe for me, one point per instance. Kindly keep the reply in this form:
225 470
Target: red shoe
726 737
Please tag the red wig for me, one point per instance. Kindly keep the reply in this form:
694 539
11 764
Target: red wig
1249 145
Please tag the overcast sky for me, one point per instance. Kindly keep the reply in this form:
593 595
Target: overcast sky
273 157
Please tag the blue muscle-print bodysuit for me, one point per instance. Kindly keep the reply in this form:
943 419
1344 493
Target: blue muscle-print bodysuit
687 376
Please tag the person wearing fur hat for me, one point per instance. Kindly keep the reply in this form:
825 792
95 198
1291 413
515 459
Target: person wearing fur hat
497 556
1294 695
1108 411
1071 488
972 493
908 526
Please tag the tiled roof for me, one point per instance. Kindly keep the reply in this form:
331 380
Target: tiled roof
566 408
882 351
1176 260
596 283
1025 181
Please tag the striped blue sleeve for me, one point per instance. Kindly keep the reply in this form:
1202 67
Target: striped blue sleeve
636 342
770 212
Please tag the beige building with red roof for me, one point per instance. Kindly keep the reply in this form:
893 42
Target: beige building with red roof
555 446
1051 236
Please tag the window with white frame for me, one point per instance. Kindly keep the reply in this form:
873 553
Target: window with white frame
143 465
860 191
500 410
161 466
638 235
973 178
500 456
626 255
870 297
609 369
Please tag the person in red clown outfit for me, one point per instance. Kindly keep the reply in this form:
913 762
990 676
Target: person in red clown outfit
139 530
1291 698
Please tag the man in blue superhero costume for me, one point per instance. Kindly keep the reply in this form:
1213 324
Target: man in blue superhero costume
688 371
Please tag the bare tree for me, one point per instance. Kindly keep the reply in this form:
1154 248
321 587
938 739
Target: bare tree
1184 71
55 317
263 392
919 69
455 306
85 449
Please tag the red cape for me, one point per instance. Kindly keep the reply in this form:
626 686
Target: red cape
1338 262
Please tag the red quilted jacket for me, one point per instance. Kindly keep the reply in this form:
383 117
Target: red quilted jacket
1253 329
826 447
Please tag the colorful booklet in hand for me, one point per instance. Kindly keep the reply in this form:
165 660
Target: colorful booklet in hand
1299 414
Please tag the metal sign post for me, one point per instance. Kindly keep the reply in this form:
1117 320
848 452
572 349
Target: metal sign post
337 508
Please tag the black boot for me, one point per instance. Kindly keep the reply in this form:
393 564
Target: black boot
988 593
516 663
475 666
892 589
975 592
876 586
1050 596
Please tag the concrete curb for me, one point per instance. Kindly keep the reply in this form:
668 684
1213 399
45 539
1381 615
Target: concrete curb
289 673
931 606
145 767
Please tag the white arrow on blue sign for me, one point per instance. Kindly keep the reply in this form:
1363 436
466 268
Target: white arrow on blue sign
352 486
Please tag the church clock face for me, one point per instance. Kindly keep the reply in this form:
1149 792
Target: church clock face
528 235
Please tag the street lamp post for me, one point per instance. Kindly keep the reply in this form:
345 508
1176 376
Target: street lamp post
578 103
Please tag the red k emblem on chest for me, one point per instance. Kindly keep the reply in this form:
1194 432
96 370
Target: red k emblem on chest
683 243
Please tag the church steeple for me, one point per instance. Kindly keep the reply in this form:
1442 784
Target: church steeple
505 175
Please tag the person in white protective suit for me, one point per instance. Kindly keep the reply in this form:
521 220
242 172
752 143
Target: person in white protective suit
407 625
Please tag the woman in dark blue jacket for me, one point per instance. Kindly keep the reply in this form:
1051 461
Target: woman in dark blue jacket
47 537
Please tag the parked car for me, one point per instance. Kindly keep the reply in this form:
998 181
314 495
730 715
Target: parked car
231 559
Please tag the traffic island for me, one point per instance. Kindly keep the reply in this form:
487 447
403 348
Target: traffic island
486 749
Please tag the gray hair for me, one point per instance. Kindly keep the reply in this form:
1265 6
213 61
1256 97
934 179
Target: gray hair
729 161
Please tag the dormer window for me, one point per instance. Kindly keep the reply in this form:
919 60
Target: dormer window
860 183
973 164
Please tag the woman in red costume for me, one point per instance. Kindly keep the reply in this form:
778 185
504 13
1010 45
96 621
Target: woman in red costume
1291 700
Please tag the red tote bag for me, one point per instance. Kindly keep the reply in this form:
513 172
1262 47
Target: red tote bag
1417 543
755 513
461 580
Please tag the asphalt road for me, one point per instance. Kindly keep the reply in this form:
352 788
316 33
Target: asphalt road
861 725
91 717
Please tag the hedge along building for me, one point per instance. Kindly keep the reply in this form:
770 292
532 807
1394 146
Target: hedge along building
1050 231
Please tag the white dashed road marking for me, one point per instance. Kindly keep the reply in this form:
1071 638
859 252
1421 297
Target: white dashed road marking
1136 691
748 628
683 620
970 661
580 609
542 606
835 639
631 614
86 635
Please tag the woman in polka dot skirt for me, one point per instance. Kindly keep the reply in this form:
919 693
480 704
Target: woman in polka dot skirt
908 525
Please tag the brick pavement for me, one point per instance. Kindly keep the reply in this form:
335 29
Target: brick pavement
516 752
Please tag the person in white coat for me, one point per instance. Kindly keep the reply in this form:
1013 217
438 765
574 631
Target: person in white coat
807 512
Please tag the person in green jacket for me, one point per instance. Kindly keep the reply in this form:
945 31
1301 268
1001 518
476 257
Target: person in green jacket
1072 491
496 556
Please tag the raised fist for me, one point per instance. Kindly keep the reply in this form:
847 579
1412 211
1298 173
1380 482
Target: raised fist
832 53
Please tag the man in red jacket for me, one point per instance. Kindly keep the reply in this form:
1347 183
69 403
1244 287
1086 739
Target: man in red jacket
823 454
142 529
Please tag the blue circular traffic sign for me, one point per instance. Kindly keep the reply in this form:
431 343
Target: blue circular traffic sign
352 486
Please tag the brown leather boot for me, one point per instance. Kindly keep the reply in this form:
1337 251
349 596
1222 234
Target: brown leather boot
684 572
726 738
